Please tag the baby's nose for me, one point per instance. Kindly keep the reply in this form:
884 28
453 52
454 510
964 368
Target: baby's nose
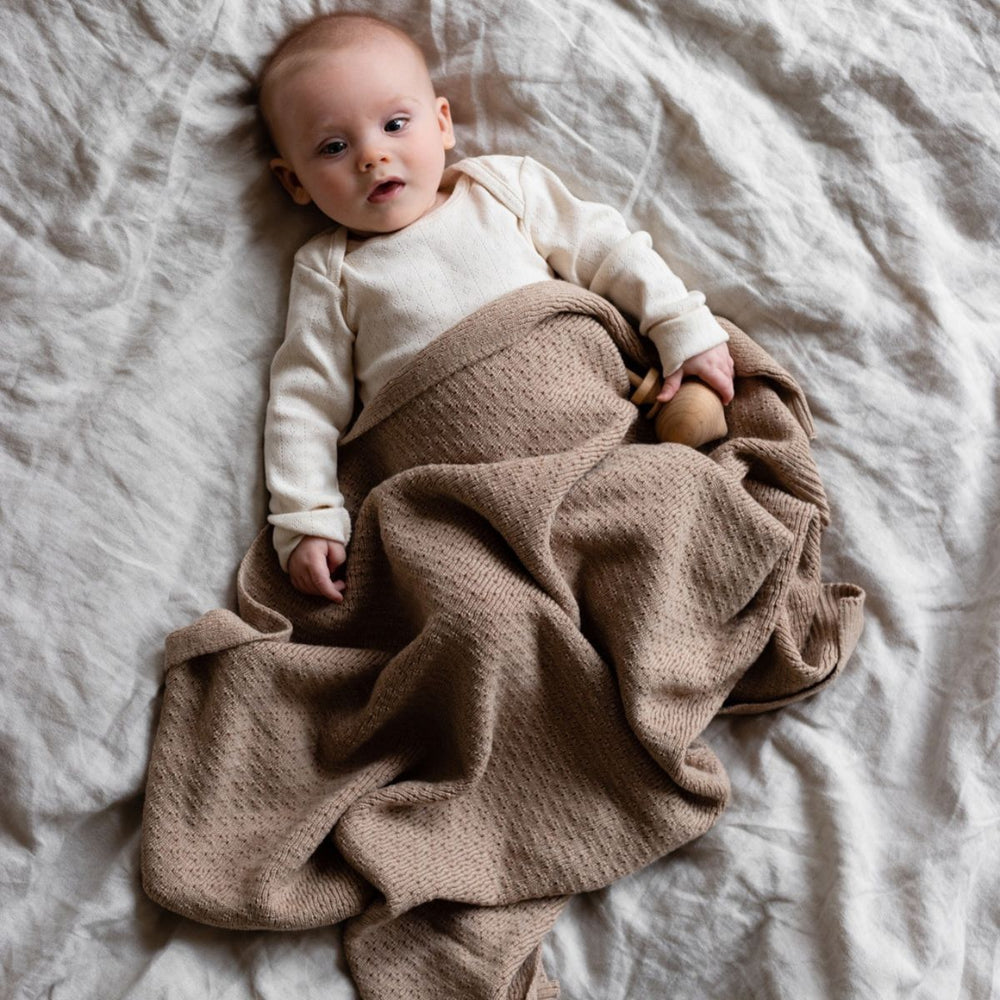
370 158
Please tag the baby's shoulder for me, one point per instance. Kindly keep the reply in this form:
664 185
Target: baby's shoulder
513 180
500 174
323 253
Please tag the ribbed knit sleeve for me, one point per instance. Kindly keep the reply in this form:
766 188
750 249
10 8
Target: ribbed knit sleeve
311 403
590 244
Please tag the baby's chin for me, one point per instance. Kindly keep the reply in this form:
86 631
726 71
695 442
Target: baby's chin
390 209
367 234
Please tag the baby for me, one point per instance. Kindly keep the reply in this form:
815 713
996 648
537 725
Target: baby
359 130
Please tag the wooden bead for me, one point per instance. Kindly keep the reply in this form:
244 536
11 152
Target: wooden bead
645 388
693 417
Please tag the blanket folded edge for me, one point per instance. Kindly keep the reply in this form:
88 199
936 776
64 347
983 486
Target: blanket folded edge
838 625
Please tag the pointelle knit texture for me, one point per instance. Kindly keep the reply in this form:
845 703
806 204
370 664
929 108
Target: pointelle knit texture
544 610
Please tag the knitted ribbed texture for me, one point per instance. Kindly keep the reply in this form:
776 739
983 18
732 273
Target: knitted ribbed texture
544 610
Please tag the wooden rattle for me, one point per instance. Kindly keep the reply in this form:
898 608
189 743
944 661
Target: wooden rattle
693 417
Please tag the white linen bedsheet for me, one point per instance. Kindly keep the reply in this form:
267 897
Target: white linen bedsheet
826 173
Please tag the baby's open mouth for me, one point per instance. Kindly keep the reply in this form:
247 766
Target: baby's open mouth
386 190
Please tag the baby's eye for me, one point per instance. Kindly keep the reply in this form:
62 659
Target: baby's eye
396 124
333 148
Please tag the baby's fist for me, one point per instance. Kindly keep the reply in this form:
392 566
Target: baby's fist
312 564
714 367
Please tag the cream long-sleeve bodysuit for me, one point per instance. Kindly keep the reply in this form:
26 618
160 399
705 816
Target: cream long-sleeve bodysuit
362 313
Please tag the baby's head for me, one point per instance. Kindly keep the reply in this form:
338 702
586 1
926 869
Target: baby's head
356 123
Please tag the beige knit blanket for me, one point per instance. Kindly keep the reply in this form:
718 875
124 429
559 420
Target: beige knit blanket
544 610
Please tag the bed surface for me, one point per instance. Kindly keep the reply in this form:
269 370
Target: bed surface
828 175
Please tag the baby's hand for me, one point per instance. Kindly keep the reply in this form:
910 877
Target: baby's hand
312 564
714 367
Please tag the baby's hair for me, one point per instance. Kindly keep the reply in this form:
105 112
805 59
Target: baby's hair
327 32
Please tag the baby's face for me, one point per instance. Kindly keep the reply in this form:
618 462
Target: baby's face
361 134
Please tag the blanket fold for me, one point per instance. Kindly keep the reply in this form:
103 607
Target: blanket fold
544 609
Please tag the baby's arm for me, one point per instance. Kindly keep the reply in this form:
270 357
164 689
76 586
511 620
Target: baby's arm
311 403
590 244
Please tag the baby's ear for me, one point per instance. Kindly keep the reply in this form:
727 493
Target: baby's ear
282 169
445 123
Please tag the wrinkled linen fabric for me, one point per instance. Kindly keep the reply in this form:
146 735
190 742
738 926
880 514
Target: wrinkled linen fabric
826 173
544 609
